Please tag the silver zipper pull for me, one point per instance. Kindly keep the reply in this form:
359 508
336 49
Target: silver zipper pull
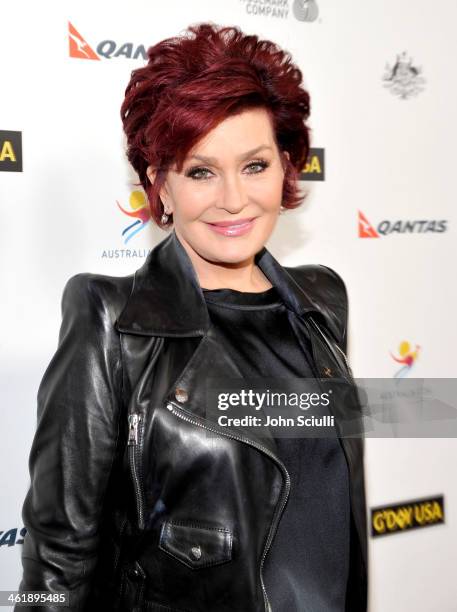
134 419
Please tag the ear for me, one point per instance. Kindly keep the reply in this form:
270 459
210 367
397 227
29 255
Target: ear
151 174
283 155
163 193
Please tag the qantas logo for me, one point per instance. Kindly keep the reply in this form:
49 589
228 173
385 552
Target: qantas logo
78 45
79 48
366 230
401 226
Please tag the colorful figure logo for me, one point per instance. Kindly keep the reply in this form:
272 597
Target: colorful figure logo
140 211
407 357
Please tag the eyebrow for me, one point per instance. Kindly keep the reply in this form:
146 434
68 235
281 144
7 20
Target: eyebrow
243 156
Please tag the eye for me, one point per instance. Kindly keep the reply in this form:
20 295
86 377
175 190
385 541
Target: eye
195 173
261 164
199 173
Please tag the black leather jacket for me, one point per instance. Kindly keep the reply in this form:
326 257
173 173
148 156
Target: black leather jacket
131 505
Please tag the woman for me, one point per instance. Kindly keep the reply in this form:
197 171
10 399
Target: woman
138 499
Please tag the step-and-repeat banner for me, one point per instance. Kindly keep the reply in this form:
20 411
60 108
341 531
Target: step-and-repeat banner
380 210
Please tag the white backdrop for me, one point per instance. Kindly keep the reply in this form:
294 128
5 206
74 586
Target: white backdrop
387 156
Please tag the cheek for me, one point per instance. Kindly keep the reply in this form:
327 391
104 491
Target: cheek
190 201
268 192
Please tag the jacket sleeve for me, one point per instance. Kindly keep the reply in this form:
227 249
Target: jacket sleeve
78 407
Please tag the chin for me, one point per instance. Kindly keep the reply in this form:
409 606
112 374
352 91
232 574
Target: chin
236 252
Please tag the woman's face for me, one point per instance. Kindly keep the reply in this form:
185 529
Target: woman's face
234 174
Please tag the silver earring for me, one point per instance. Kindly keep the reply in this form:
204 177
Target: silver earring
281 210
164 217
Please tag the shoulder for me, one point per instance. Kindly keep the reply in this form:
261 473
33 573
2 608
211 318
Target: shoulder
89 294
322 284
328 291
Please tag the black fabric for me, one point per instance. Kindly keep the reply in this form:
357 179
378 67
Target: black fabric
307 565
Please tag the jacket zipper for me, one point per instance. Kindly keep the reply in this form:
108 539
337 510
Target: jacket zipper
134 422
176 410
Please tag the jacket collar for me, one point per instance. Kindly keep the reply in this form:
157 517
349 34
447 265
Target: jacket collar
167 300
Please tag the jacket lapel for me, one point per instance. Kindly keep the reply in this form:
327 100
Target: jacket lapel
167 300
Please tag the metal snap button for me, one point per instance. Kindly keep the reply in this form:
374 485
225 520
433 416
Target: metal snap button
134 573
196 552
181 394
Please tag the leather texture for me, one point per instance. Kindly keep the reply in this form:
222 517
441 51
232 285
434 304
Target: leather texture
138 500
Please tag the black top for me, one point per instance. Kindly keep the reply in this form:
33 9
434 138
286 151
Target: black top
307 565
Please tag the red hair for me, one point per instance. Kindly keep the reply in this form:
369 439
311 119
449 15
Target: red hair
193 82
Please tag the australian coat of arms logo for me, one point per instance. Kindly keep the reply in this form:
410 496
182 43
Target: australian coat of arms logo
403 78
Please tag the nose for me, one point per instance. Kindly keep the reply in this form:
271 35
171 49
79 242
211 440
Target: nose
233 196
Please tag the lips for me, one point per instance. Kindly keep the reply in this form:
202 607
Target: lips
233 222
233 228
